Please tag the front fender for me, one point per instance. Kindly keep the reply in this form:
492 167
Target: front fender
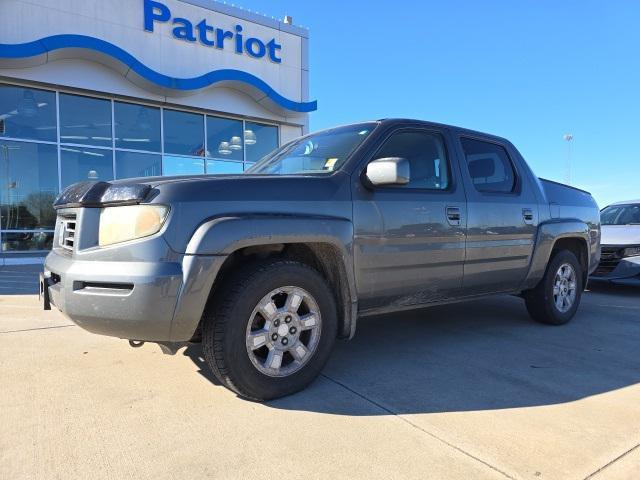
223 236
217 238
548 234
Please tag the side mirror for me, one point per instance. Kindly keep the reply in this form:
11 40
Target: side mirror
389 171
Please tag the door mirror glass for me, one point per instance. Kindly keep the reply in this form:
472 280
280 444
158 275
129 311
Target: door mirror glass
389 171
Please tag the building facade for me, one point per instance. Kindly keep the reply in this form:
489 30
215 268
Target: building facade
111 89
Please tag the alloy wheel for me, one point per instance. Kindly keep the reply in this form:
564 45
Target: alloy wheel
283 331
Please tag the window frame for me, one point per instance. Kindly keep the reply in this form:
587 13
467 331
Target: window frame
402 188
516 189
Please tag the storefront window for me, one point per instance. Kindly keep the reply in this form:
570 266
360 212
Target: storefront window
38 154
137 127
27 113
224 139
221 166
172 165
83 164
134 164
29 185
260 140
183 133
85 121
25 241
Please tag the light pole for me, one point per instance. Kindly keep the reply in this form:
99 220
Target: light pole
568 138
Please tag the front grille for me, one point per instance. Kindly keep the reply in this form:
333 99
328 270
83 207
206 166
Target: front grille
609 259
67 232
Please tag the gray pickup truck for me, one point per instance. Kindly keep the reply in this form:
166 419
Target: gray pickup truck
267 269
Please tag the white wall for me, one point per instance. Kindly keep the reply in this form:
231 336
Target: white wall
121 22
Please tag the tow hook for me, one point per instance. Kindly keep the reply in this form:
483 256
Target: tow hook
168 348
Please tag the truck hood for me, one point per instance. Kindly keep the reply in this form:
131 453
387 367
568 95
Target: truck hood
195 188
620 235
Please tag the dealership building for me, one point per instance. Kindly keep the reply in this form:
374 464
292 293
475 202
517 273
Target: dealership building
111 89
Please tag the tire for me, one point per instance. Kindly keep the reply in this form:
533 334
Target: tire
557 304
245 314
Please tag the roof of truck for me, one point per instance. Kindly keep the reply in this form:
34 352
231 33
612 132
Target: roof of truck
462 130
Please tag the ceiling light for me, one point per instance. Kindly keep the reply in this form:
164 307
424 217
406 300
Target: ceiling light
235 143
93 154
224 148
250 137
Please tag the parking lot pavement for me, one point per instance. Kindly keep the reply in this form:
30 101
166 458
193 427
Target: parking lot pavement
467 391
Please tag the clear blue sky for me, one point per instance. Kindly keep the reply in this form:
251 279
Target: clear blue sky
527 70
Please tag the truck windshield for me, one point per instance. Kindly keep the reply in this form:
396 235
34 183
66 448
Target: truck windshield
323 152
621 215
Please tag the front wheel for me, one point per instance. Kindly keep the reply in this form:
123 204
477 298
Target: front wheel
556 298
269 332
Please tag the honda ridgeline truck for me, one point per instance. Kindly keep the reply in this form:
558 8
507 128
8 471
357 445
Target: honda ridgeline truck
268 268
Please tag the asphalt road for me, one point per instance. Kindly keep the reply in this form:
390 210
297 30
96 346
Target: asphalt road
468 391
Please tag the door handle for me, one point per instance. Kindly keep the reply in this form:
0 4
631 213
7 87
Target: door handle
527 215
453 215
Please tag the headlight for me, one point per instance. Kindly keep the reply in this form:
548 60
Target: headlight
121 224
631 252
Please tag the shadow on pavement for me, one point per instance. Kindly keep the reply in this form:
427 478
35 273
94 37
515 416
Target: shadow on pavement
195 353
480 355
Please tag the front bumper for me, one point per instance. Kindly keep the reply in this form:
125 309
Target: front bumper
132 300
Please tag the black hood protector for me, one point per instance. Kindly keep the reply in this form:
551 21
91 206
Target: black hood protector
101 194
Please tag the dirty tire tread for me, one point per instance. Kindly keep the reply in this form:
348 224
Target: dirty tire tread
539 300
218 313
216 322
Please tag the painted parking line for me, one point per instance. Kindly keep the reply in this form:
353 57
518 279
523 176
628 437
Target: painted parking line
38 328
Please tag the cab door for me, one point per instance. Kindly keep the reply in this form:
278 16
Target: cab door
502 216
410 239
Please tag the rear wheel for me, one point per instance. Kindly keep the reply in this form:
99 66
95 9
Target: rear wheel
556 298
269 332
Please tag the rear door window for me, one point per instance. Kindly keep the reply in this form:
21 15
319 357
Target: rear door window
489 166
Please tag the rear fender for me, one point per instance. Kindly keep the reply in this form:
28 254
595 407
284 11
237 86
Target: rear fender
548 234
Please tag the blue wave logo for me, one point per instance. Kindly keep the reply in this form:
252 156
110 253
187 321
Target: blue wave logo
60 42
